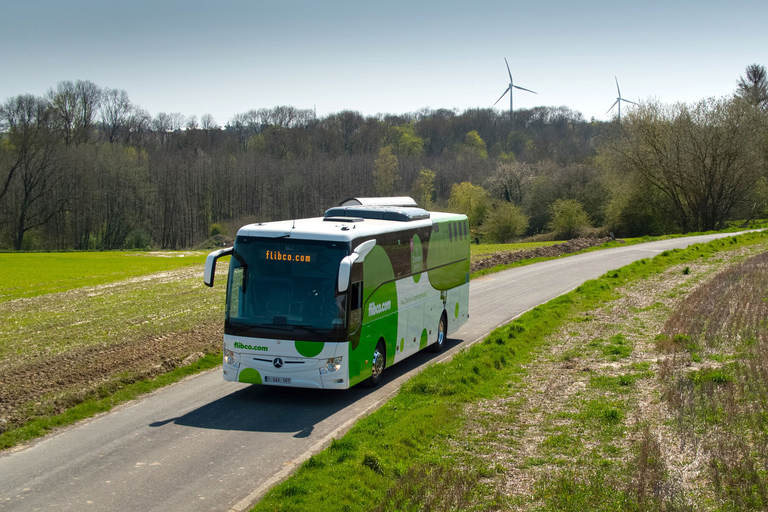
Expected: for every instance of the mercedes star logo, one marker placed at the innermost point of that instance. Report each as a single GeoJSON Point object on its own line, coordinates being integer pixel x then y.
{"type": "Point", "coordinates": [278, 362]}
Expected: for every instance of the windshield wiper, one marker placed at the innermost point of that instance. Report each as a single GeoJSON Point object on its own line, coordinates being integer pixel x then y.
{"type": "Point", "coordinates": [313, 330]}
{"type": "Point", "coordinates": [278, 327]}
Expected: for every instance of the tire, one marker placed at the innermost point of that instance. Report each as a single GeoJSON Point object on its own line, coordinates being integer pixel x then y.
{"type": "Point", "coordinates": [441, 329]}
{"type": "Point", "coordinates": [379, 363]}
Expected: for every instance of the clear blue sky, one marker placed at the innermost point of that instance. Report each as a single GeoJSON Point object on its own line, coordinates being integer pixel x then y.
{"type": "Point", "coordinates": [227, 57]}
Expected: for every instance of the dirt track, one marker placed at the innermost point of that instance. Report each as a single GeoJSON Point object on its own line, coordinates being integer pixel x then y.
{"type": "Point", "coordinates": [505, 258]}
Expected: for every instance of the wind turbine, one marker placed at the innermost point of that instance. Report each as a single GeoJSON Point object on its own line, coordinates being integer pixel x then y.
{"type": "Point", "coordinates": [509, 89]}
{"type": "Point", "coordinates": [619, 100]}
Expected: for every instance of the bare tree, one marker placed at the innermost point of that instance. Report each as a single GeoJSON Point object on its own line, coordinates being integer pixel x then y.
{"type": "Point", "coordinates": [192, 123]}
{"type": "Point", "coordinates": [139, 124]}
{"type": "Point", "coordinates": [207, 122]}
{"type": "Point", "coordinates": [165, 124]}
{"type": "Point", "coordinates": [239, 126]}
{"type": "Point", "coordinates": [704, 158]}
{"type": "Point", "coordinates": [116, 112]}
{"type": "Point", "coordinates": [64, 106]}
{"type": "Point", "coordinates": [41, 191]}
{"type": "Point", "coordinates": [510, 181]}
{"type": "Point", "coordinates": [74, 109]}
{"type": "Point", "coordinates": [25, 120]}
{"type": "Point", "coordinates": [88, 97]}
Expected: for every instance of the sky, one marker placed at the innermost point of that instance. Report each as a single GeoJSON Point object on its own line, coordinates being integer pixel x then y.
{"type": "Point", "coordinates": [230, 56]}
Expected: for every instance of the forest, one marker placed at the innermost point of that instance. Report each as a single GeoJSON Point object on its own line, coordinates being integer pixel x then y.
{"type": "Point", "coordinates": [84, 168]}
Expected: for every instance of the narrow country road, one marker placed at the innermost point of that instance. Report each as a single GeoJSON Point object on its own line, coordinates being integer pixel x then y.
{"type": "Point", "coordinates": [205, 444]}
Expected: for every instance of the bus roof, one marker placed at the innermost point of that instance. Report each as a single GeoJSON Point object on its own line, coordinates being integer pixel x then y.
{"type": "Point", "coordinates": [339, 228]}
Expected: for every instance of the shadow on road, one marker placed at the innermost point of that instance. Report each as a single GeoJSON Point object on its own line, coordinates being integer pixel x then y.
{"type": "Point", "coordinates": [276, 409]}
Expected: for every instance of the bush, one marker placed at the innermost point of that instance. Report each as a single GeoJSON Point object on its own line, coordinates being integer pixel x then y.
{"type": "Point", "coordinates": [217, 229]}
{"type": "Point", "coordinates": [505, 223]}
{"type": "Point", "coordinates": [138, 239]}
{"type": "Point", "coordinates": [568, 219]}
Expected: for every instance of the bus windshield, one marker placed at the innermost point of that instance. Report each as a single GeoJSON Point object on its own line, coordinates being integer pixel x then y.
{"type": "Point", "coordinates": [286, 289]}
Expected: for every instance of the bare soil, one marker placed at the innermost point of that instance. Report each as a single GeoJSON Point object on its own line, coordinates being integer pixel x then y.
{"type": "Point", "coordinates": [505, 258]}
{"type": "Point", "coordinates": [51, 379]}
{"type": "Point", "coordinates": [67, 379]}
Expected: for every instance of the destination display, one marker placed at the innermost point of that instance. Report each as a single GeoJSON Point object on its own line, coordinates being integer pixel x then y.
{"type": "Point", "coordinates": [298, 257]}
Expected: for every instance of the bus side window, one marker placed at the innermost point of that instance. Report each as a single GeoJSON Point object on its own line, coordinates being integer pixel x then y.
{"type": "Point", "coordinates": [235, 293]}
{"type": "Point", "coordinates": [356, 304]}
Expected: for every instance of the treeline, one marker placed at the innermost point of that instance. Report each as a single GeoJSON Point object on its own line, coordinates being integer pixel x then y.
{"type": "Point", "coordinates": [85, 168]}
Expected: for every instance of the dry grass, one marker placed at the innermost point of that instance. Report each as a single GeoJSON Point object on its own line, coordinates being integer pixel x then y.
{"type": "Point", "coordinates": [720, 409]}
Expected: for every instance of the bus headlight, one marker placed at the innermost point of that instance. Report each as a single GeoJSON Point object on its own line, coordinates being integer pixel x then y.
{"type": "Point", "coordinates": [229, 358]}
{"type": "Point", "coordinates": [333, 365]}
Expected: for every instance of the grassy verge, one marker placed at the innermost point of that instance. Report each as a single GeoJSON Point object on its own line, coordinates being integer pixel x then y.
{"type": "Point", "coordinates": [444, 442]}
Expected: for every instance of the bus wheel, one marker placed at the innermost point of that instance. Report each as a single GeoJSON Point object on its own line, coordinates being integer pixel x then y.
{"type": "Point", "coordinates": [440, 343]}
{"type": "Point", "coordinates": [379, 361]}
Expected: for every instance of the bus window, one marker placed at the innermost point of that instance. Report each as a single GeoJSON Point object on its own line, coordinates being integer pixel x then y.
{"type": "Point", "coordinates": [356, 304]}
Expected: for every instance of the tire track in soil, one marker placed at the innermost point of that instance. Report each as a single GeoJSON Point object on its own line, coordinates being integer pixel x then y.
{"type": "Point", "coordinates": [67, 378]}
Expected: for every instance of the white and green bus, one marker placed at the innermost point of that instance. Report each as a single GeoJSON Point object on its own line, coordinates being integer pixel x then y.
{"type": "Point", "coordinates": [330, 302]}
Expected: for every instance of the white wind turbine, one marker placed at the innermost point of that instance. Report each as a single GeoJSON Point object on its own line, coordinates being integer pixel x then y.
{"type": "Point", "coordinates": [619, 100]}
{"type": "Point", "coordinates": [509, 89]}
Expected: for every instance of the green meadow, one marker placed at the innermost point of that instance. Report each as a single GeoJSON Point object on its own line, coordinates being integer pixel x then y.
{"type": "Point", "coordinates": [31, 274]}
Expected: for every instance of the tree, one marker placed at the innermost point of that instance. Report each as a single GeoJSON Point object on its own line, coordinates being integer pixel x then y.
{"type": "Point", "coordinates": [124, 185]}
{"type": "Point", "coordinates": [385, 173]}
{"type": "Point", "coordinates": [475, 145]}
{"type": "Point", "coordinates": [41, 191]}
{"type": "Point", "coordinates": [568, 219]}
{"type": "Point", "coordinates": [405, 141]}
{"type": "Point", "coordinates": [704, 158]}
{"type": "Point", "coordinates": [471, 200]}
{"type": "Point", "coordinates": [754, 87]}
{"type": "Point", "coordinates": [504, 223]}
{"type": "Point", "coordinates": [116, 110]}
{"type": "Point", "coordinates": [425, 188]}
{"type": "Point", "coordinates": [511, 181]}
{"type": "Point", "coordinates": [208, 122]}
{"type": "Point", "coordinates": [74, 106]}
{"type": "Point", "coordinates": [25, 122]}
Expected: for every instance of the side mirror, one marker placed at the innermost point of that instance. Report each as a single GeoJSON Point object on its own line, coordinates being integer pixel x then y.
{"type": "Point", "coordinates": [345, 267]}
{"type": "Point", "coordinates": [210, 264]}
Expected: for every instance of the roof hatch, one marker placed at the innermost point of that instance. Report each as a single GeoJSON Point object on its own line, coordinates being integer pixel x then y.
{"type": "Point", "coordinates": [379, 201]}
{"type": "Point", "coordinates": [396, 213]}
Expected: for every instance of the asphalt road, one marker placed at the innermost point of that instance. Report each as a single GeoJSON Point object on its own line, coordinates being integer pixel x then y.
{"type": "Point", "coordinates": [206, 444]}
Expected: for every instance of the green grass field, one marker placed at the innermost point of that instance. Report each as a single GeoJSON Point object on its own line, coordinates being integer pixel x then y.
{"type": "Point", "coordinates": [80, 328]}
{"type": "Point", "coordinates": [31, 274]}
{"type": "Point", "coordinates": [488, 249]}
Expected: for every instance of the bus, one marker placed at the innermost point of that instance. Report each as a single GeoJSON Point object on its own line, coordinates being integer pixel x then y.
{"type": "Point", "coordinates": [330, 302]}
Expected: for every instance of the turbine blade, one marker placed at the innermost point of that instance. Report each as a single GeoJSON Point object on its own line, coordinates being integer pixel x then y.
{"type": "Point", "coordinates": [505, 92]}
{"type": "Point", "coordinates": [524, 89]}
{"type": "Point", "coordinates": [617, 86]}
{"type": "Point", "coordinates": [508, 71]}
{"type": "Point", "coordinates": [632, 102]}
{"type": "Point", "coordinates": [614, 104]}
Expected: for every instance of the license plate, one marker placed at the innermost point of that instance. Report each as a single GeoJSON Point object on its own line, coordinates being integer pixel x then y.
{"type": "Point", "coordinates": [278, 380]}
